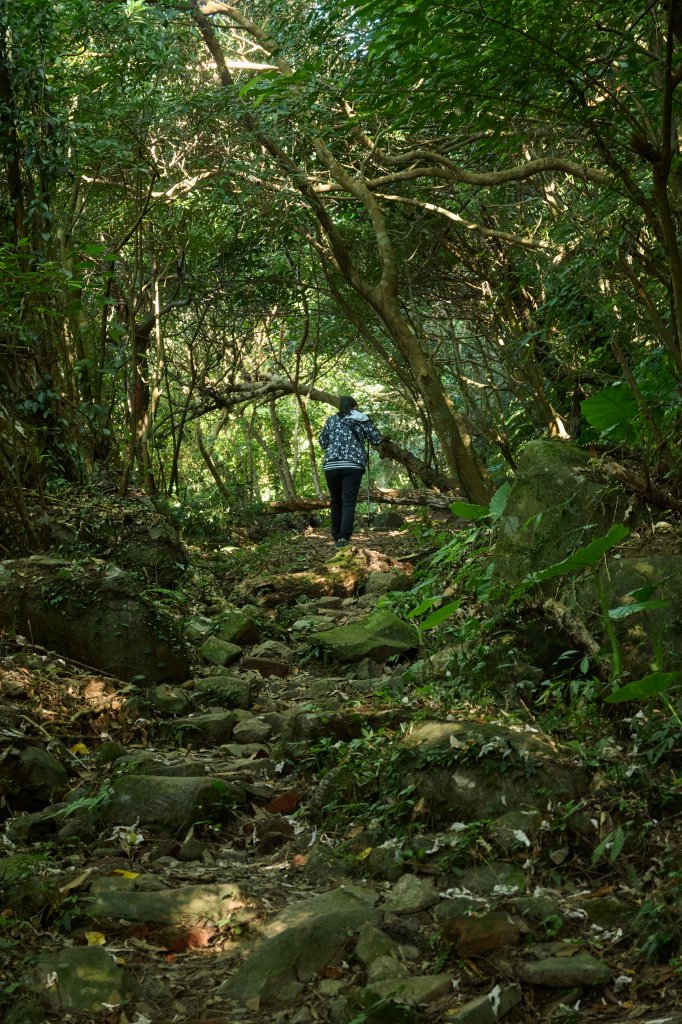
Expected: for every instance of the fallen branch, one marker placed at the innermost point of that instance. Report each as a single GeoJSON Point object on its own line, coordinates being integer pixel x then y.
{"type": "Point", "coordinates": [239, 394]}
{"type": "Point", "coordinates": [428, 499]}
{"type": "Point", "coordinates": [658, 495]}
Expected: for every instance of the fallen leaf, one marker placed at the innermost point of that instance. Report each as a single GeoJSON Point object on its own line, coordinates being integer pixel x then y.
{"type": "Point", "coordinates": [285, 803]}
{"type": "Point", "coordinates": [95, 938]}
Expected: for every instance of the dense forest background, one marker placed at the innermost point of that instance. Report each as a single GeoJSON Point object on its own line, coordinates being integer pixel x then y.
{"type": "Point", "coordinates": [215, 217]}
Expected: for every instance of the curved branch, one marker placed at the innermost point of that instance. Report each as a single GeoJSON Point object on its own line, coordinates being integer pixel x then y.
{"type": "Point", "coordinates": [505, 236]}
{"type": "Point", "coordinates": [447, 171]}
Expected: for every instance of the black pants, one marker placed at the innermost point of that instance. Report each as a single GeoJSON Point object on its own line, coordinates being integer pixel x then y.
{"type": "Point", "coordinates": [344, 485]}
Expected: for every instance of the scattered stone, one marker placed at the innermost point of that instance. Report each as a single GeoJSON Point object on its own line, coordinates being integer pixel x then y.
{"type": "Point", "coordinates": [155, 766]}
{"type": "Point", "coordinates": [300, 941]}
{"type": "Point", "coordinates": [225, 691]}
{"type": "Point", "coordinates": [109, 751]}
{"type": "Point", "coordinates": [388, 520]}
{"type": "Point", "coordinates": [101, 618]}
{"type": "Point", "coordinates": [565, 971]}
{"type": "Point", "coordinates": [311, 622]}
{"type": "Point", "coordinates": [516, 829]}
{"type": "Point", "coordinates": [322, 867]}
{"type": "Point", "coordinates": [239, 627]}
{"type": "Point", "coordinates": [418, 990]}
{"type": "Point", "coordinates": [410, 895]}
{"type": "Point", "coordinates": [251, 730]}
{"type": "Point", "coordinates": [499, 878]}
{"type": "Point", "coordinates": [539, 910]}
{"type": "Point", "coordinates": [535, 530]}
{"type": "Point", "coordinates": [206, 730]}
{"type": "Point", "coordinates": [284, 803]}
{"type": "Point", "coordinates": [383, 968]}
{"type": "Point", "coordinates": [607, 912]}
{"type": "Point", "coordinates": [373, 944]}
{"type": "Point", "coordinates": [23, 1012]}
{"type": "Point", "coordinates": [168, 700]}
{"type": "Point", "coordinates": [273, 649]}
{"type": "Point", "coordinates": [219, 652]}
{"type": "Point", "coordinates": [184, 905]}
{"type": "Point", "coordinates": [81, 979]}
{"type": "Point", "coordinates": [29, 828]}
{"type": "Point", "coordinates": [273, 832]}
{"type": "Point", "coordinates": [266, 667]}
{"type": "Point", "coordinates": [379, 635]}
{"type": "Point", "coordinates": [198, 627]}
{"type": "Point", "coordinates": [246, 751]}
{"type": "Point", "coordinates": [482, 934]}
{"type": "Point", "coordinates": [386, 582]}
{"type": "Point", "coordinates": [15, 866]}
{"type": "Point", "coordinates": [168, 803]}
{"type": "Point", "coordinates": [192, 849]}
{"type": "Point", "coordinates": [39, 778]}
{"type": "Point", "coordinates": [490, 1008]}
{"type": "Point", "coordinates": [459, 906]}
{"type": "Point", "coordinates": [385, 862]}
{"type": "Point", "coordinates": [469, 790]}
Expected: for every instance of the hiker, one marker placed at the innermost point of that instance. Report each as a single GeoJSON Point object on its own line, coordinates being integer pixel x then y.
{"type": "Point", "coordinates": [343, 438]}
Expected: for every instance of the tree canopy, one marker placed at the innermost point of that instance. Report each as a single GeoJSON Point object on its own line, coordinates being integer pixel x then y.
{"type": "Point", "coordinates": [215, 218]}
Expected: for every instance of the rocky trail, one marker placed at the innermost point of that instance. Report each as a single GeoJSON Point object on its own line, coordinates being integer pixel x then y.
{"type": "Point", "coordinates": [302, 832]}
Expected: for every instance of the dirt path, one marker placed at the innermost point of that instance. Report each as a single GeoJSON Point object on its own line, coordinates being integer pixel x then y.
{"type": "Point", "coordinates": [270, 844]}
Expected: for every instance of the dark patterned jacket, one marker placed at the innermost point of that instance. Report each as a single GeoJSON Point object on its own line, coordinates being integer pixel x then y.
{"type": "Point", "coordinates": [343, 439]}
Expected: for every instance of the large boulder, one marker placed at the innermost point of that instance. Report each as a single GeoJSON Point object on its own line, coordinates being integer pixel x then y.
{"type": "Point", "coordinates": [92, 612]}
{"type": "Point", "coordinates": [81, 980]}
{"type": "Point", "coordinates": [558, 504]}
{"type": "Point", "coordinates": [555, 505]}
{"type": "Point", "coordinates": [641, 634]}
{"type": "Point", "coordinates": [301, 941]}
{"type": "Point", "coordinates": [465, 781]}
{"type": "Point", "coordinates": [131, 532]}
{"type": "Point", "coordinates": [170, 803]}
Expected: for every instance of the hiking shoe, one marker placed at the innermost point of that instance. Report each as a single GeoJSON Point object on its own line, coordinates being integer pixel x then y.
{"type": "Point", "coordinates": [342, 543]}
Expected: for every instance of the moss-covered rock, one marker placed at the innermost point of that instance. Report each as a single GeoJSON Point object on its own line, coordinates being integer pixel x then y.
{"type": "Point", "coordinates": [82, 980]}
{"type": "Point", "coordinates": [92, 612]}
{"type": "Point", "coordinates": [555, 506]}
{"type": "Point", "coordinates": [379, 636]}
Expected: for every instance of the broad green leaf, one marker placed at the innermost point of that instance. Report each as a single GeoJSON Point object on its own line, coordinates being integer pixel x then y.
{"type": "Point", "coordinates": [657, 682]}
{"type": "Point", "coordinates": [616, 845]}
{"type": "Point", "coordinates": [484, 587]}
{"type": "Point", "coordinates": [611, 410]}
{"type": "Point", "coordinates": [643, 593]}
{"type": "Point", "coordinates": [465, 510]}
{"type": "Point", "coordinates": [625, 610]}
{"type": "Point", "coordinates": [498, 501]}
{"type": "Point", "coordinates": [586, 557]}
{"type": "Point", "coordinates": [441, 614]}
{"type": "Point", "coordinates": [422, 607]}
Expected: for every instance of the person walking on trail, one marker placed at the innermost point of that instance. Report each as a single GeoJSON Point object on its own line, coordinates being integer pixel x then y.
{"type": "Point", "coordinates": [344, 438]}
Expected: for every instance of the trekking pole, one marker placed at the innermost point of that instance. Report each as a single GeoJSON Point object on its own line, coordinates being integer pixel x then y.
{"type": "Point", "coordinates": [369, 489]}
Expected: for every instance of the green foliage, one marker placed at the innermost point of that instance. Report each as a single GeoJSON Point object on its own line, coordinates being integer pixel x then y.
{"type": "Point", "coordinates": [611, 411]}
{"type": "Point", "coordinates": [640, 689]}
{"type": "Point", "coordinates": [612, 844]}
{"type": "Point", "coordinates": [587, 557]}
